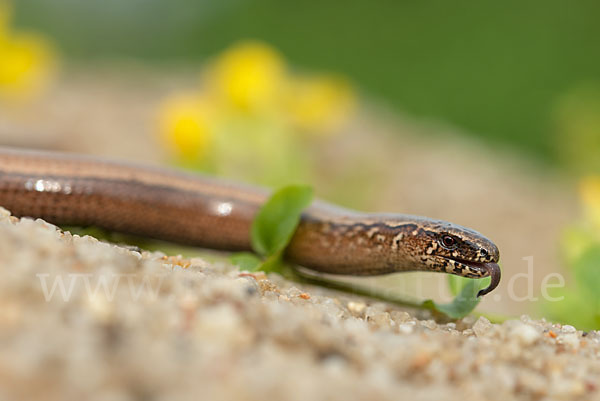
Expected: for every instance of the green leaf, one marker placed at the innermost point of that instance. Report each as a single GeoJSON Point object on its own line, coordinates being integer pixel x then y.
{"type": "Point", "coordinates": [246, 261]}
{"type": "Point", "coordinates": [463, 303]}
{"type": "Point", "coordinates": [277, 220]}
{"type": "Point", "coordinates": [273, 264]}
{"type": "Point", "coordinates": [456, 283]}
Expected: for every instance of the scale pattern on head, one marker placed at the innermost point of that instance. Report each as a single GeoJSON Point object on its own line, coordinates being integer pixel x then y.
{"type": "Point", "coordinates": [442, 246]}
{"type": "Point", "coordinates": [372, 244]}
{"type": "Point", "coordinates": [433, 245]}
{"type": "Point", "coordinates": [460, 243]}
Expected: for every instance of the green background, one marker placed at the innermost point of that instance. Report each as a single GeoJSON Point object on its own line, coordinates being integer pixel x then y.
{"type": "Point", "coordinates": [495, 69]}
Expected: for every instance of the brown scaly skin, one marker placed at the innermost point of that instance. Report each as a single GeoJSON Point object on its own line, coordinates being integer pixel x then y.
{"type": "Point", "coordinates": [195, 210]}
{"type": "Point", "coordinates": [374, 244]}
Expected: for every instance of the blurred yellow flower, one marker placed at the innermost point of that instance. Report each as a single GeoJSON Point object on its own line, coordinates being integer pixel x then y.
{"type": "Point", "coordinates": [248, 118]}
{"type": "Point", "coordinates": [589, 190]}
{"type": "Point", "coordinates": [186, 125]}
{"type": "Point", "coordinates": [249, 76]}
{"type": "Point", "coordinates": [27, 61]}
{"type": "Point", "coordinates": [320, 104]}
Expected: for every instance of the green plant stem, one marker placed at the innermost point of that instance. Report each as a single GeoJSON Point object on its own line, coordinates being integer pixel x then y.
{"type": "Point", "coordinates": [298, 276]}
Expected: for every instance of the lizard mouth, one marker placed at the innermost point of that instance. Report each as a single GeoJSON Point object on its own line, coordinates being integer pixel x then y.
{"type": "Point", "coordinates": [492, 270]}
{"type": "Point", "coordinates": [481, 269]}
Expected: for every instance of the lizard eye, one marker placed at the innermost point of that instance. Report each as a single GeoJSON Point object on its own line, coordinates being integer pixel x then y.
{"type": "Point", "coordinates": [448, 242]}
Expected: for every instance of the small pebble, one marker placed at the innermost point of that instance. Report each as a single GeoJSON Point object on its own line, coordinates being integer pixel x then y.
{"type": "Point", "coordinates": [406, 328]}
{"type": "Point", "coordinates": [571, 340]}
{"type": "Point", "coordinates": [482, 326]}
{"type": "Point", "coordinates": [525, 334]}
{"type": "Point", "coordinates": [357, 308]}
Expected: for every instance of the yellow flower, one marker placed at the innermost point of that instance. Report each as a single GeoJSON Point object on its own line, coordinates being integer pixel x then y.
{"type": "Point", "coordinates": [320, 104]}
{"type": "Point", "coordinates": [243, 121]}
{"type": "Point", "coordinates": [26, 61]}
{"type": "Point", "coordinates": [186, 125]}
{"type": "Point", "coordinates": [249, 76]}
{"type": "Point", "coordinates": [589, 190]}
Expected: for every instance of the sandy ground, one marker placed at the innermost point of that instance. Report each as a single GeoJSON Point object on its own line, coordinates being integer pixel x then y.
{"type": "Point", "coordinates": [412, 167]}
{"type": "Point", "coordinates": [82, 319]}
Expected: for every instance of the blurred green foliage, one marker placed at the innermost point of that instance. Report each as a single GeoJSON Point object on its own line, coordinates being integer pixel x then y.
{"type": "Point", "coordinates": [579, 302]}
{"type": "Point", "coordinates": [494, 68]}
{"type": "Point", "coordinates": [578, 129]}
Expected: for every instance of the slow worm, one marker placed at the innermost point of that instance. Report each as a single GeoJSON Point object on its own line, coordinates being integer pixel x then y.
{"type": "Point", "coordinates": [190, 209]}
